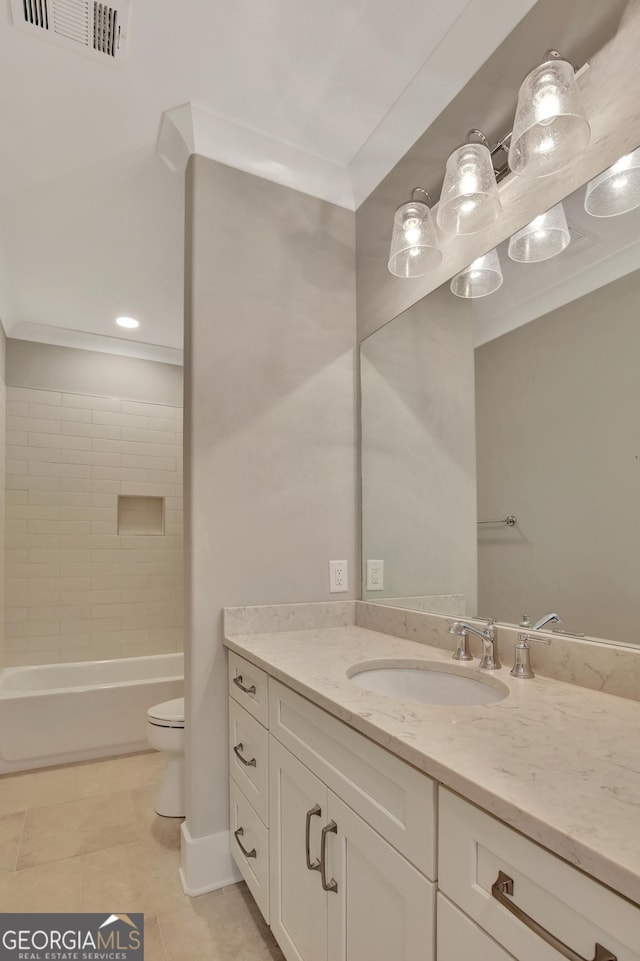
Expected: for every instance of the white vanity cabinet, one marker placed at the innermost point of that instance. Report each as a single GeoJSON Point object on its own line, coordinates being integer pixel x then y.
{"type": "Point", "coordinates": [339, 892]}
{"type": "Point", "coordinates": [337, 840]}
{"type": "Point", "coordinates": [346, 819]}
{"type": "Point", "coordinates": [249, 770]}
{"type": "Point", "coordinates": [520, 895]}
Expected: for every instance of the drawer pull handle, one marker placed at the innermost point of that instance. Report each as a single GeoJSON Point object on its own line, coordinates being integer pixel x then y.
{"type": "Point", "coordinates": [248, 854]}
{"type": "Point", "coordinates": [238, 683]}
{"type": "Point", "coordinates": [332, 885]}
{"type": "Point", "coordinates": [504, 886]}
{"type": "Point", "coordinates": [237, 750]}
{"type": "Point", "coordinates": [316, 811]}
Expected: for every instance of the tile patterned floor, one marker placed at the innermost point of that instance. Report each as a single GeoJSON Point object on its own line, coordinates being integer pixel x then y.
{"type": "Point", "coordinates": [85, 837]}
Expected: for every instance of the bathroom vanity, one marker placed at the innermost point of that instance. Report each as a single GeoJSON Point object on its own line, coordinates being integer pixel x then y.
{"type": "Point", "coordinates": [364, 824]}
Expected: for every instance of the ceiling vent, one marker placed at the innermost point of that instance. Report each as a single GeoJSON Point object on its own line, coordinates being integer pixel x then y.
{"type": "Point", "coordinates": [99, 30]}
{"type": "Point", "coordinates": [576, 236]}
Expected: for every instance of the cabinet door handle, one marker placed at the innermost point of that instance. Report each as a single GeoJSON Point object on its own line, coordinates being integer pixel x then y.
{"type": "Point", "coordinates": [238, 683]}
{"type": "Point", "coordinates": [332, 885]}
{"type": "Point", "coordinates": [504, 886]}
{"type": "Point", "coordinates": [316, 811]}
{"type": "Point", "coordinates": [248, 854]}
{"type": "Point", "coordinates": [237, 750]}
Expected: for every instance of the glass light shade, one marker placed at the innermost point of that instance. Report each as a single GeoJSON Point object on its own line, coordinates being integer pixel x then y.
{"type": "Point", "coordinates": [480, 278]}
{"type": "Point", "coordinates": [414, 242]}
{"type": "Point", "coordinates": [550, 127]}
{"type": "Point", "coordinates": [546, 236]}
{"type": "Point", "coordinates": [469, 200]}
{"type": "Point", "coordinates": [616, 190]}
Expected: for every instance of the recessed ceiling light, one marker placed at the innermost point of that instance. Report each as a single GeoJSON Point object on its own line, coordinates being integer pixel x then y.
{"type": "Point", "coordinates": [127, 322]}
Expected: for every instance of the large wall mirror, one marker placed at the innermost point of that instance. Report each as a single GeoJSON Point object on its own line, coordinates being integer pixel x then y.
{"type": "Point", "coordinates": [501, 437]}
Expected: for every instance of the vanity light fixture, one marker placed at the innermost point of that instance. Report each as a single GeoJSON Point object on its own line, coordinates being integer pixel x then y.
{"type": "Point", "coordinates": [545, 237]}
{"type": "Point", "coordinates": [414, 242]}
{"type": "Point", "coordinates": [550, 127]}
{"type": "Point", "coordinates": [469, 200]}
{"type": "Point", "coordinates": [480, 278]}
{"type": "Point", "coordinates": [617, 190]}
{"type": "Point", "coordinates": [127, 322]}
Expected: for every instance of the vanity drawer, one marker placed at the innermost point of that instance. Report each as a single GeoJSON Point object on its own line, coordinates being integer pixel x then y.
{"type": "Point", "coordinates": [579, 911]}
{"type": "Point", "coordinates": [393, 797]}
{"type": "Point", "coordinates": [248, 833]}
{"type": "Point", "coordinates": [249, 686]}
{"type": "Point", "coordinates": [249, 758]}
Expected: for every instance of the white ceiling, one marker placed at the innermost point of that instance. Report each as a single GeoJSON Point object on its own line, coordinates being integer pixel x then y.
{"type": "Point", "coordinates": [91, 220]}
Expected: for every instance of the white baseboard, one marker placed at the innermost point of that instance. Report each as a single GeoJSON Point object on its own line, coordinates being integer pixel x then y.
{"type": "Point", "coordinates": [206, 863]}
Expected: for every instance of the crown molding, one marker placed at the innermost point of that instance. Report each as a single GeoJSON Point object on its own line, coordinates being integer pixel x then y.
{"type": "Point", "coordinates": [84, 340]}
{"type": "Point", "coordinates": [192, 129]}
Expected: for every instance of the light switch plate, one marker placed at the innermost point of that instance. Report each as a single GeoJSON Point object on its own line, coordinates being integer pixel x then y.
{"type": "Point", "coordinates": [338, 577]}
{"type": "Point", "coordinates": [375, 575]}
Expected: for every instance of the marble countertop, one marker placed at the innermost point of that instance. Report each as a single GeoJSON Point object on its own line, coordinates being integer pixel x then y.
{"type": "Point", "coordinates": [556, 761]}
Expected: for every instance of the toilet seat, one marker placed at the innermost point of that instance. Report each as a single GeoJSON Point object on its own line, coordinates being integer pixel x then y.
{"type": "Point", "coordinates": [167, 714]}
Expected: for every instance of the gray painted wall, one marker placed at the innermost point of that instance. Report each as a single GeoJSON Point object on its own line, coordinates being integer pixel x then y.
{"type": "Point", "coordinates": [418, 452]}
{"type": "Point", "coordinates": [559, 446]}
{"type": "Point", "coordinates": [46, 367]}
{"type": "Point", "coordinates": [270, 481]}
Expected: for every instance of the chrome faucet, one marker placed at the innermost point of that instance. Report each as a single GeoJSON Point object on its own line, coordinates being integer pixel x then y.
{"type": "Point", "coordinates": [489, 660]}
{"type": "Point", "coordinates": [544, 620]}
{"type": "Point", "coordinates": [522, 655]}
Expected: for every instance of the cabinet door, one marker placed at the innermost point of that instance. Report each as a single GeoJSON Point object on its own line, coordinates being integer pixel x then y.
{"type": "Point", "coordinates": [459, 937]}
{"type": "Point", "coordinates": [298, 903]}
{"type": "Point", "coordinates": [383, 908]}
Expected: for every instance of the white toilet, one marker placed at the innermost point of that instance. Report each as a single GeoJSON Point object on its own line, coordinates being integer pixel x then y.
{"type": "Point", "coordinates": [165, 732]}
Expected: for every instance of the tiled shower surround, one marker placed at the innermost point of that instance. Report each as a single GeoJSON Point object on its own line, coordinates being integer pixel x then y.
{"type": "Point", "coordinates": [75, 588]}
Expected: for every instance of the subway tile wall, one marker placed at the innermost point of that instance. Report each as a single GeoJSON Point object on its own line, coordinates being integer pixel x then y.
{"type": "Point", "coordinates": [75, 589]}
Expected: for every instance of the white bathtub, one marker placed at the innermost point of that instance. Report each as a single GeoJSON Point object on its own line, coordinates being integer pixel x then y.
{"type": "Point", "coordinates": [57, 713]}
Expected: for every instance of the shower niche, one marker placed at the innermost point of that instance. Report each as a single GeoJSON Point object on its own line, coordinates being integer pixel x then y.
{"type": "Point", "coordinates": [140, 515]}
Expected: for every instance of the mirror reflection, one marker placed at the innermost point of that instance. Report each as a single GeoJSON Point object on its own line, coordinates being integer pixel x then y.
{"type": "Point", "coordinates": [500, 437]}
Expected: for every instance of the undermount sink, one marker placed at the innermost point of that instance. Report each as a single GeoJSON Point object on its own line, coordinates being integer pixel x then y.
{"type": "Point", "coordinates": [426, 683]}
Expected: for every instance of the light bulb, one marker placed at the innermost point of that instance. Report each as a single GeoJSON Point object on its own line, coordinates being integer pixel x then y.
{"type": "Point", "coordinates": [547, 104]}
{"type": "Point", "coordinates": [550, 128]}
{"type": "Point", "coordinates": [480, 278]}
{"type": "Point", "coordinates": [127, 322]}
{"type": "Point", "coordinates": [469, 200]}
{"type": "Point", "coordinates": [546, 236]}
{"type": "Point", "coordinates": [412, 231]}
{"type": "Point", "coordinates": [619, 183]}
{"type": "Point", "coordinates": [414, 245]}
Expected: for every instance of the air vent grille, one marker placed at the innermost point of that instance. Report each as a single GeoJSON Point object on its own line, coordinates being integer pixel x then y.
{"type": "Point", "coordinates": [105, 29]}
{"type": "Point", "coordinates": [71, 20]}
{"type": "Point", "coordinates": [98, 30]}
{"type": "Point", "coordinates": [36, 12]}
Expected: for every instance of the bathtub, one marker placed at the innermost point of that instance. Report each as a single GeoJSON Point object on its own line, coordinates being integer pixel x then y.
{"type": "Point", "coordinates": [57, 713]}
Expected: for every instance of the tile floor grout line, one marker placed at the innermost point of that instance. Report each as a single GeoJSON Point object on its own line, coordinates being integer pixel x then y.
{"type": "Point", "coordinates": [162, 940]}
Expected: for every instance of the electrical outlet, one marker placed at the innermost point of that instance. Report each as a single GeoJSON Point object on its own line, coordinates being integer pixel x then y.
{"type": "Point", "coordinates": [338, 577]}
{"type": "Point", "coordinates": [375, 575]}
